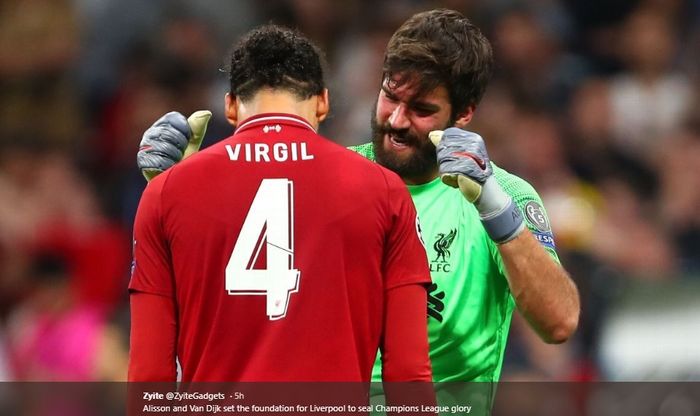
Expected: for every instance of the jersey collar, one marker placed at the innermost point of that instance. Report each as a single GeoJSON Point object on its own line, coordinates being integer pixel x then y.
{"type": "Point", "coordinates": [425, 187]}
{"type": "Point", "coordinates": [273, 121]}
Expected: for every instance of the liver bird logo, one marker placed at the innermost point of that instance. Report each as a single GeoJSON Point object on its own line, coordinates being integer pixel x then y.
{"type": "Point", "coordinates": [442, 245]}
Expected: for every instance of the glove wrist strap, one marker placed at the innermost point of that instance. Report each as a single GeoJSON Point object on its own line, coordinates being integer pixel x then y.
{"type": "Point", "coordinates": [502, 219]}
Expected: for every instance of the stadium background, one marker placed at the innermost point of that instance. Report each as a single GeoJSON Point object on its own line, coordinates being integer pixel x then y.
{"type": "Point", "coordinates": [594, 102]}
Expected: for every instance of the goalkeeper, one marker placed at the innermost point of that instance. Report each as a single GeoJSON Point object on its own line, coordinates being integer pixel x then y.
{"type": "Point", "coordinates": [490, 247]}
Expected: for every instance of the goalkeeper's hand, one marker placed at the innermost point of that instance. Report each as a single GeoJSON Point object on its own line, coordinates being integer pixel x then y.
{"type": "Point", "coordinates": [464, 164]}
{"type": "Point", "coordinates": [169, 140]}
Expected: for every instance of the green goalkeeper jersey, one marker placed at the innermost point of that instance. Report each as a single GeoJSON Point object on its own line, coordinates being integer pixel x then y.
{"type": "Point", "coordinates": [469, 302]}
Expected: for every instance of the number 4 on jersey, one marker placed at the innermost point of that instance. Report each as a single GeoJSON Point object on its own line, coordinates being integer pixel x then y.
{"type": "Point", "coordinates": [269, 225]}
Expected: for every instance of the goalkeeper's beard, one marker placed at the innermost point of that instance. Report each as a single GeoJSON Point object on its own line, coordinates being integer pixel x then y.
{"type": "Point", "coordinates": [418, 164]}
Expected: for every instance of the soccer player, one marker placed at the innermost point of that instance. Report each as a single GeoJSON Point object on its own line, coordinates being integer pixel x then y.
{"type": "Point", "coordinates": [490, 248]}
{"type": "Point", "coordinates": [489, 242]}
{"type": "Point", "coordinates": [275, 254]}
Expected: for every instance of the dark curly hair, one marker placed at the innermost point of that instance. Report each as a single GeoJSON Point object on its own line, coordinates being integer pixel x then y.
{"type": "Point", "coordinates": [441, 47]}
{"type": "Point", "coordinates": [279, 58]}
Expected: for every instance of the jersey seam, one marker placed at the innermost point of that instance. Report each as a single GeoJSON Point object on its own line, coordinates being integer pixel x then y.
{"type": "Point", "coordinates": [161, 224]}
{"type": "Point", "coordinates": [146, 290]}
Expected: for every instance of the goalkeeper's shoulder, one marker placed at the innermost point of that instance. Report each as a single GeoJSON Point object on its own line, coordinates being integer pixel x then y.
{"type": "Point", "coordinates": [515, 186]}
{"type": "Point", "coordinates": [365, 149]}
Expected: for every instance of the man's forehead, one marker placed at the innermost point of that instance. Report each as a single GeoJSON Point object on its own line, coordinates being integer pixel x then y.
{"type": "Point", "coordinates": [409, 86]}
{"type": "Point", "coordinates": [402, 82]}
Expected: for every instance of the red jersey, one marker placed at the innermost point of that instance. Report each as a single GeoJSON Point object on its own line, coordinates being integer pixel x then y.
{"type": "Point", "coordinates": [278, 248]}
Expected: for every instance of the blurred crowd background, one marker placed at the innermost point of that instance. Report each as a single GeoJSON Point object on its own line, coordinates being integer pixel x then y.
{"type": "Point", "coordinates": [593, 102]}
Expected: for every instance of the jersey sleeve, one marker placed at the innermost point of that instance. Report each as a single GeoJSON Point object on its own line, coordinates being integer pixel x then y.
{"type": "Point", "coordinates": [530, 204]}
{"type": "Point", "coordinates": [405, 259]}
{"type": "Point", "coordinates": [151, 270]}
{"type": "Point", "coordinates": [153, 340]}
{"type": "Point", "coordinates": [405, 350]}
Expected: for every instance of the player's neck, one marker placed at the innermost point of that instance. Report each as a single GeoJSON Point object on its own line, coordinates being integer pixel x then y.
{"type": "Point", "coordinates": [268, 101]}
{"type": "Point", "coordinates": [421, 179]}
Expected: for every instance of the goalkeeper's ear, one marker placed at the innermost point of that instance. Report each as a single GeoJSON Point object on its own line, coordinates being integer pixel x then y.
{"type": "Point", "coordinates": [198, 125]}
{"type": "Point", "coordinates": [464, 117]}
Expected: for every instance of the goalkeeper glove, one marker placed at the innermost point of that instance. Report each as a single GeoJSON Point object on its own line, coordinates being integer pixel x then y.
{"type": "Point", "coordinates": [169, 140]}
{"type": "Point", "coordinates": [464, 164]}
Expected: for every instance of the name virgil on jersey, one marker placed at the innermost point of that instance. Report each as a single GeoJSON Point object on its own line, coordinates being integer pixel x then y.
{"type": "Point", "coordinates": [266, 152]}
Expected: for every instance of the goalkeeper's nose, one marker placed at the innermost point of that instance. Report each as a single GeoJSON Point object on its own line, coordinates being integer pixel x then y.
{"type": "Point", "coordinates": [399, 118]}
